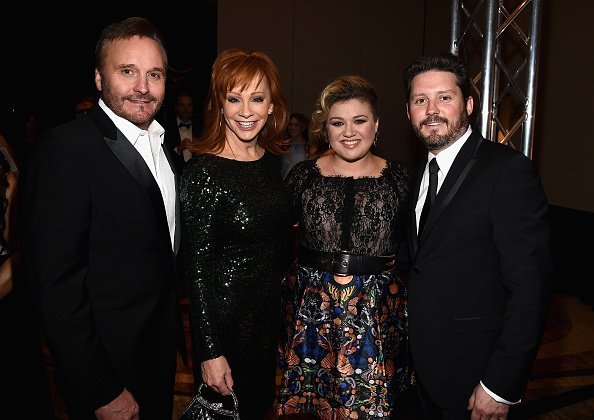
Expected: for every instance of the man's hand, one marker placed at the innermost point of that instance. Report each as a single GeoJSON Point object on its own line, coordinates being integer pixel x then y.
{"type": "Point", "coordinates": [216, 373]}
{"type": "Point", "coordinates": [483, 406]}
{"type": "Point", "coordinates": [185, 142]}
{"type": "Point", "coordinates": [124, 407]}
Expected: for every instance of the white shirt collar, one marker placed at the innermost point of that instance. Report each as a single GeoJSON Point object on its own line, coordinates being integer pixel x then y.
{"type": "Point", "coordinates": [131, 131]}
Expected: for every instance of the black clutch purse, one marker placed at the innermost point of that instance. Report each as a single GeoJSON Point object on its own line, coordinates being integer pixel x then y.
{"type": "Point", "coordinates": [201, 409]}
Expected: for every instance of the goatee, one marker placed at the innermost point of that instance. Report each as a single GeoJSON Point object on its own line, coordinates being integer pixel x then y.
{"type": "Point", "coordinates": [141, 117]}
{"type": "Point", "coordinates": [433, 141]}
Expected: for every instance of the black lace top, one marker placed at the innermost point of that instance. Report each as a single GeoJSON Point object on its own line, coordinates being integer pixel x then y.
{"type": "Point", "coordinates": [358, 215]}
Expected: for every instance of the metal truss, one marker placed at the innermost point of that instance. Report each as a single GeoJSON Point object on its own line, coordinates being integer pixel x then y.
{"type": "Point", "coordinates": [499, 42]}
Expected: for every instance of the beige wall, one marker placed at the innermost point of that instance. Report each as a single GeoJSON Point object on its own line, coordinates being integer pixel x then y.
{"type": "Point", "coordinates": [313, 42]}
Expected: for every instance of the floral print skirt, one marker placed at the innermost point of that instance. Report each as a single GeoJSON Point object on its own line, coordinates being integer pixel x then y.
{"type": "Point", "coordinates": [345, 350]}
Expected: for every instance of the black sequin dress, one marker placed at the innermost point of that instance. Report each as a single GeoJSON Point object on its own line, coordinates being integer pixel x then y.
{"type": "Point", "coordinates": [233, 216]}
{"type": "Point", "coordinates": [345, 350]}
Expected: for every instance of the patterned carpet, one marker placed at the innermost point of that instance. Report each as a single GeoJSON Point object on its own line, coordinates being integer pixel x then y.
{"type": "Point", "coordinates": [562, 387]}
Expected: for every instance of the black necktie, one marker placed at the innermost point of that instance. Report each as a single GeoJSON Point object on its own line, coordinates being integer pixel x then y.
{"type": "Point", "coordinates": [431, 193]}
{"type": "Point", "coordinates": [187, 125]}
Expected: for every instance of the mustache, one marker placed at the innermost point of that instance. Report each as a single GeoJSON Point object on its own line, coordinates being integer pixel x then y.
{"type": "Point", "coordinates": [434, 119]}
{"type": "Point", "coordinates": [140, 98]}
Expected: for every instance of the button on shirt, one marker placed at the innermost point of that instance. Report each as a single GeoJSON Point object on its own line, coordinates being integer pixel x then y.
{"type": "Point", "coordinates": [445, 158]}
{"type": "Point", "coordinates": [149, 144]}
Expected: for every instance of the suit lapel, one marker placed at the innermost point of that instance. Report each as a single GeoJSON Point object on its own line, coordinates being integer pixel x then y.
{"type": "Point", "coordinates": [131, 159]}
{"type": "Point", "coordinates": [462, 164]}
{"type": "Point", "coordinates": [136, 165]}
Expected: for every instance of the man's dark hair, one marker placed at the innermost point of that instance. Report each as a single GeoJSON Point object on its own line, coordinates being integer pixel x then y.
{"type": "Point", "coordinates": [441, 62]}
{"type": "Point", "coordinates": [126, 29]}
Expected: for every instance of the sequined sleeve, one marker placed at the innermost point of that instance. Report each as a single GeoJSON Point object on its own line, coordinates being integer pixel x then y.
{"type": "Point", "coordinates": [199, 197]}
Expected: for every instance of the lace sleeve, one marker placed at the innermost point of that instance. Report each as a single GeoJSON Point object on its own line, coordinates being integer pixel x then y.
{"type": "Point", "coordinates": [295, 183]}
{"type": "Point", "coordinates": [401, 178]}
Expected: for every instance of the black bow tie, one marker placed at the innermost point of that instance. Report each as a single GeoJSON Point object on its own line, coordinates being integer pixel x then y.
{"type": "Point", "coordinates": [187, 125]}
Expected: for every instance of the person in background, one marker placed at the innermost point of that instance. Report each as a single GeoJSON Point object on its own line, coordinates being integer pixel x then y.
{"type": "Point", "coordinates": [345, 350]}
{"type": "Point", "coordinates": [8, 184]}
{"type": "Point", "coordinates": [100, 232]}
{"type": "Point", "coordinates": [298, 145]}
{"type": "Point", "coordinates": [297, 150]}
{"type": "Point", "coordinates": [21, 363]}
{"type": "Point", "coordinates": [234, 213]}
{"type": "Point", "coordinates": [182, 130]}
{"type": "Point", "coordinates": [22, 136]}
{"type": "Point", "coordinates": [318, 149]}
{"type": "Point", "coordinates": [82, 107]}
{"type": "Point", "coordinates": [480, 285]}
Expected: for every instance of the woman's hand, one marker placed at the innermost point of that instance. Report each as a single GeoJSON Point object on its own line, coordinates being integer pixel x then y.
{"type": "Point", "coordinates": [216, 373]}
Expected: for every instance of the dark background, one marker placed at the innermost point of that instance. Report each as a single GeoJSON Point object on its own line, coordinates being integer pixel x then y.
{"type": "Point", "coordinates": [47, 59]}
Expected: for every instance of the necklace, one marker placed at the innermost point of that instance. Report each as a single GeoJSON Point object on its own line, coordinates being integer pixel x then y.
{"type": "Point", "coordinates": [230, 148]}
{"type": "Point", "coordinates": [332, 166]}
{"type": "Point", "coordinates": [233, 153]}
{"type": "Point", "coordinates": [366, 174]}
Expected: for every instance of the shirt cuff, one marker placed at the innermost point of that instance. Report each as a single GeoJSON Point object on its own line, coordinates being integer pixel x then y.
{"type": "Point", "coordinates": [497, 397]}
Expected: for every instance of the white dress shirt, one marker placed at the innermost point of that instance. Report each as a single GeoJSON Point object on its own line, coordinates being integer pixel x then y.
{"type": "Point", "coordinates": [149, 144]}
{"type": "Point", "coordinates": [444, 159]}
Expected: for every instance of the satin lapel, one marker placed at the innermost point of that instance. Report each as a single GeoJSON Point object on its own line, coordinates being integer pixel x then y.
{"type": "Point", "coordinates": [129, 156]}
{"type": "Point", "coordinates": [136, 165]}
{"type": "Point", "coordinates": [412, 222]}
{"type": "Point", "coordinates": [463, 162]}
{"type": "Point", "coordinates": [131, 159]}
{"type": "Point", "coordinates": [176, 176]}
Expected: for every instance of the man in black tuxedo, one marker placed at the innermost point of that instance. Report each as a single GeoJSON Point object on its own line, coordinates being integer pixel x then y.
{"type": "Point", "coordinates": [480, 282]}
{"type": "Point", "coordinates": [182, 129]}
{"type": "Point", "coordinates": [100, 237]}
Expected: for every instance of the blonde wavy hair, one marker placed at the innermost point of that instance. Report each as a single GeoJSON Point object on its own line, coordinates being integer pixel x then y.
{"type": "Point", "coordinates": [342, 89]}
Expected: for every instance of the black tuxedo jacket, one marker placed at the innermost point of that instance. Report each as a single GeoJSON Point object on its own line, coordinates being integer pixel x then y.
{"type": "Point", "coordinates": [98, 252]}
{"type": "Point", "coordinates": [479, 285]}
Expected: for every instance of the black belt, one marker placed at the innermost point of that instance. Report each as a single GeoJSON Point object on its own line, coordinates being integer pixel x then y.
{"type": "Point", "coordinates": [345, 263]}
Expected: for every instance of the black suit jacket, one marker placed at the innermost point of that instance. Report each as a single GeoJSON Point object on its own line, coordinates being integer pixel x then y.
{"type": "Point", "coordinates": [98, 252]}
{"type": "Point", "coordinates": [479, 286]}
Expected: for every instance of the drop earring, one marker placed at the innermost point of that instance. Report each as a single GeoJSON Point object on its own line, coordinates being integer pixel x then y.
{"type": "Point", "coordinates": [375, 138]}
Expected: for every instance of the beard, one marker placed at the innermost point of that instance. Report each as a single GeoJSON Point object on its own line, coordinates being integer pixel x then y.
{"type": "Point", "coordinates": [433, 141]}
{"type": "Point", "coordinates": [141, 117]}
